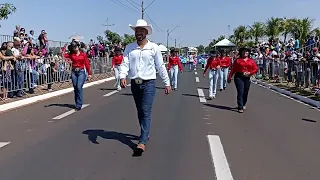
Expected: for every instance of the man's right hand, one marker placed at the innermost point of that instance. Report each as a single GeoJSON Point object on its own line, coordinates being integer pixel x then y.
{"type": "Point", "coordinates": [123, 83]}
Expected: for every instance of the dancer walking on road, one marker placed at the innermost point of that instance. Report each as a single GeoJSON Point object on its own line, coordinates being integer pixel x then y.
{"type": "Point", "coordinates": [213, 64]}
{"type": "Point", "coordinates": [225, 63]}
{"type": "Point", "coordinates": [174, 66]}
{"type": "Point", "coordinates": [80, 63]}
{"type": "Point", "coordinates": [242, 69]}
{"type": "Point", "coordinates": [116, 61]}
{"type": "Point", "coordinates": [142, 59]}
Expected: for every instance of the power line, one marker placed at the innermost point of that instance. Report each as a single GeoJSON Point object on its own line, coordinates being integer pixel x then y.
{"type": "Point", "coordinates": [154, 24]}
{"type": "Point", "coordinates": [134, 4]}
{"type": "Point", "coordinates": [123, 5]}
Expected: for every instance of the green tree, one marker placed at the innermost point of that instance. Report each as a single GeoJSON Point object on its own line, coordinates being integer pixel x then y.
{"type": "Point", "coordinates": [220, 38]}
{"type": "Point", "coordinates": [257, 31]}
{"type": "Point", "coordinates": [6, 9]}
{"type": "Point", "coordinates": [201, 49]}
{"type": "Point", "coordinates": [113, 38]}
{"type": "Point", "coordinates": [127, 39]}
{"type": "Point", "coordinates": [100, 39]}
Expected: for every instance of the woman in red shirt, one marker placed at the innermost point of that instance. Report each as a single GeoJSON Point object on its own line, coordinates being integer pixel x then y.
{"type": "Point", "coordinates": [225, 63]}
{"type": "Point", "coordinates": [173, 65]}
{"type": "Point", "coordinates": [213, 64]}
{"type": "Point", "coordinates": [116, 61]}
{"type": "Point", "coordinates": [242, 69]}
{"type": "Point", "coordinates": [80, 65]}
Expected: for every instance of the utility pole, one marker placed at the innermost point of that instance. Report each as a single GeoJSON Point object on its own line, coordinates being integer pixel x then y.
{"type": "Point", "coordinates": [143, 9]}
{"type": "Point", "coordinates": [175, 43]}
{"type": "Point", "coordinates": [108, 25]}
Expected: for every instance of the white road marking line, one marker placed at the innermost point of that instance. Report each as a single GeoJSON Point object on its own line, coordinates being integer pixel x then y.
{"type": "Point", "coordinates": [221, 166]}
{"type": "Point", "coordinates": [205, 118]}
{"type": "Point", "coordinates": [207, 115]}
{"type": "Point", "coordinates": [110, 93]}
{"type": "Point", "coordinates": [196, 73]}
{"type": "Point", "coordinates": [2, 144]}
{"type": "Point", "coordinates": [287, 96]}
{"type": "Point", "coordinates": [197, 79]}
{"type": "Point", "coordinates": [201, 95]}
{"type": "Point", "coordinates": [69, 112]}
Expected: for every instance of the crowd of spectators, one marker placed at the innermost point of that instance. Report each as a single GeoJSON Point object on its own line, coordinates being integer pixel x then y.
{"type": "Point", "coordinates": [26, 62]}
{"type": "Point", "coordinates": [291, 62]}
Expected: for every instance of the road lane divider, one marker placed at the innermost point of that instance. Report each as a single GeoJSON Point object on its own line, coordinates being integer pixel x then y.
{"type": "Point", "coordinates": [195, 72]}
{"type": "Point", "coordinates": [113, 92]}
{"type": "Point", "coordinates": [201, 96]}
{"type": "Point", "coordinates": [3, 144]}
{"type": "Point", "coordinates": [219, 159]}
{"type": "Point", "coordinates": [69, 112]}
{"type": "Point", "coordinates": [197, 79]}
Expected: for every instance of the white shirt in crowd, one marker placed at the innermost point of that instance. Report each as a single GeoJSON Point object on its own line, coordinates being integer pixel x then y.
{"type": "Point", "coordinates": [15, 51]}
{"type": "Point", "coordinates": [143, 63]}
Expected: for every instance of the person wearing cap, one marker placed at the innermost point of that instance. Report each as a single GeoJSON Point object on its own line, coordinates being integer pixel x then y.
{"type": "Point", "coordinates": [174, 66]}
{"type": "Point", "coordinates": [141, 60]}
{"type": "Point", "coordinates": [80, 66]}
{"type": "Point", "coordinates": [213, 64]}
{"type": "Point", "coordinates": [116, 62]}
{"type": "Point", "coordinates": [242, 69]}
{"type": "Point", "coordinates": [225, 63]}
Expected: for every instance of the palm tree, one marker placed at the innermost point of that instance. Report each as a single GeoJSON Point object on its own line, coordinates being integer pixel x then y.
{"type": "Point", "coordinates": [287, 26]}
{"type": "Point", "coordinates": [241, 34]}
{"type": "Point", "coordinates": [257, 30]}
{"type": "Point", "coordinates": [221, 38]}
{"type": "Point", "coordinates": [302, 28]}
{"type": "Point", "coordinates": [273, 28]}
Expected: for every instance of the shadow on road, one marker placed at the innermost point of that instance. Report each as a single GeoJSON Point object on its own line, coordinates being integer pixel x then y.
{"type": "Point", "coordinates": [160, 87]}
{"type": "Point", "coordinates": [203, 87]}
{"type": "Point", "coordinates": [108, 89]}
{"type": "Point", "coordinates": [309, 120]}
{"type": "Point", "coordinates": [125, 139]}
{"type": "Point", "coordinates": [222, 107]}
{"type": "Point", "coordinates": [71, 106]}
{"type": "Point", "coordinates": [126, 94]}
{"type": "Point", "coordinates": [192, 95]}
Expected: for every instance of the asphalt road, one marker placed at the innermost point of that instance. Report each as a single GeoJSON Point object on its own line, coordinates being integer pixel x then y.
{"type": "Point", "coordinates": [276, 138]}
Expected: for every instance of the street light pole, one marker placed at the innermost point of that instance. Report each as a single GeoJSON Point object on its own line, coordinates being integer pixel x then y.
{"type": "Point", "coordinates": [168, 34]}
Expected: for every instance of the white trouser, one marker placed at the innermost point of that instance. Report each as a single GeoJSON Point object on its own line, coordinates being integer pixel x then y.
{"type": "Point", "coordinates": [223, 76]}
{"type": "Point", "coordinates": [213, 78]}
{"type": "Point", "coordinates": [116, 74]}
{"type": "Point", "coordinates": [174, 76]}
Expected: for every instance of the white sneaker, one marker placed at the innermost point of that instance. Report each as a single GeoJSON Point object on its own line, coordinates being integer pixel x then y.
{"type": "Point", "coordinates": [119, 88]}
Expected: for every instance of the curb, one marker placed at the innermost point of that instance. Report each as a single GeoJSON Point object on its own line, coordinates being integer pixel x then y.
{"type": "Point", "coordinates": [31, 100]}
{"type": "Point", "coordinates": [304, 99]}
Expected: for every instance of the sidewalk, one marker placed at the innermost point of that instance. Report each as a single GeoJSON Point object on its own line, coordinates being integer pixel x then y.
{"type": "Point", "coordinates": [41, 93]}
{"type": "Point", "coordinates": [306, 96]}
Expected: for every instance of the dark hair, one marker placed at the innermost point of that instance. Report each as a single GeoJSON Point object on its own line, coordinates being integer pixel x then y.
{"type": "Point", "coordinates": [73, 45]}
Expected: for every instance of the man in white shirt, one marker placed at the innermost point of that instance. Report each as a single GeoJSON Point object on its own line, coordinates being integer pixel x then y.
{"type": "Point", "coordinates": [141, 60]}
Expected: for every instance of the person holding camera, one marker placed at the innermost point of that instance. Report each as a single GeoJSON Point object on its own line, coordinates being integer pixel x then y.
{"type": "Point", "coordinates": [80, 65]}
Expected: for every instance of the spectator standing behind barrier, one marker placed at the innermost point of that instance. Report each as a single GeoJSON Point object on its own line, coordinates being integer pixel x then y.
{"type": "Point", "coordinates": [80, 63]}
{"type": "Point", "coordinates": [243, 68]}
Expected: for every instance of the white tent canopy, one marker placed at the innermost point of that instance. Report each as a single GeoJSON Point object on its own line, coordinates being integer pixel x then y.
{"type": "Point", "coordinates": [224, 43]}
{"type": "Point", "coordinates": [162, 48]}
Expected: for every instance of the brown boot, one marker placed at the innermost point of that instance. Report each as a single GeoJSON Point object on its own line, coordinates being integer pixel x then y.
{"type": "Point", "coordinates": [142, 147]}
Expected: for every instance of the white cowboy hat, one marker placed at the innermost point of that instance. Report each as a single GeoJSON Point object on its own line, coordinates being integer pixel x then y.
{"type": "Point", "coordinates": [143, 24]}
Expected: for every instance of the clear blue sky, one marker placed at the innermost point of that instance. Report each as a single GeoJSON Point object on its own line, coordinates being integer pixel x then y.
{"type": "Point", "coordinates": [200, 19]}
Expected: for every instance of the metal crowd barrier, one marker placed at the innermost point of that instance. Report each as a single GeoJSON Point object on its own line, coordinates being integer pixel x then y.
{"type": "Point", "coordinates": [298, 71]}
{"type": "Point", "coordinates": [27, 76]}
